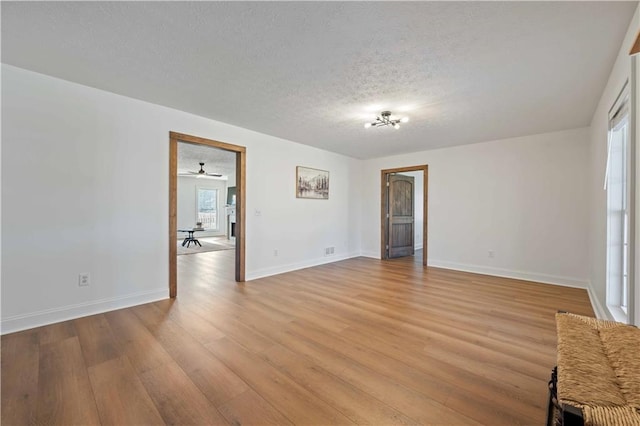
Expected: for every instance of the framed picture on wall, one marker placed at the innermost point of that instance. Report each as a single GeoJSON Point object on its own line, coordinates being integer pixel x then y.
{"type": "Point", "coordinates": [312, 183]}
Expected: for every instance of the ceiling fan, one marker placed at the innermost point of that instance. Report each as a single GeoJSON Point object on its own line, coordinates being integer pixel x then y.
{"type": "Point", "coordinates": [201, 172]}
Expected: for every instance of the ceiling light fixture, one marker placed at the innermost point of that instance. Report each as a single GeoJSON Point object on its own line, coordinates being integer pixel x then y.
{"type": "Point", "coordinates": [385, 120]}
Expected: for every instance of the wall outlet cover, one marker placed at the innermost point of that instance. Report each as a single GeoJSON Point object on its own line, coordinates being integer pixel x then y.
{"type": "Point", "coordinates": [84, 279]}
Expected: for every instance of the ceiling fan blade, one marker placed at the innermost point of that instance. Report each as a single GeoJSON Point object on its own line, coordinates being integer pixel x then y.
{"type": "Point", "coordinates": [200, 172]}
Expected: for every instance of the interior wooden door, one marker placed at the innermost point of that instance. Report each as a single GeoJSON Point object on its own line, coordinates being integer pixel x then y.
{"type": "Point", "coordinates": [401, 216]}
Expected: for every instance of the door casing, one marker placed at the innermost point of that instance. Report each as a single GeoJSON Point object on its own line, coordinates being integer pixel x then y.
{"type": "Point", "coordinates": [384, 227]}
{"type": "Point", "coordinates": [241, 184]}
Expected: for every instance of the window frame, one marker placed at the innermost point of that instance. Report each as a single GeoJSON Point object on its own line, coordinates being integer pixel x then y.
{"type": "Point", "coordinates": [217, 206]}
{"type": "Point", "coordinates": [620, 267]}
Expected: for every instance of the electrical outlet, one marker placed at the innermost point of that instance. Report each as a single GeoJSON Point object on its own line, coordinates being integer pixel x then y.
{"type": "Point", "coordinates": [491, 254]}
{"type": "Point", "coordinates": [275, 252]}
{"type": "Point", "coordinates": [84, 279]}
{"type": "Point", "coordinates": [258, 212]}
{"type": "Point", "coordinates": [329, 251]}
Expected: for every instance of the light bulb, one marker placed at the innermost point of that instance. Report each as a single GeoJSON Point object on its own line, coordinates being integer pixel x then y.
{"type": "Point", "coordinates": [367, 125]}
{"type": "Point", "coordinates": [396, 126]}
{"type": "Point", "coordinates": [404, 119]}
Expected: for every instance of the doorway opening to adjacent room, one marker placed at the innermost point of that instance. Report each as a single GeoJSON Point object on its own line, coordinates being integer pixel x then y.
{"type": "Point", "coordinates": [403, 207]}
{"type": "Point", "coordinates": [208, 202]}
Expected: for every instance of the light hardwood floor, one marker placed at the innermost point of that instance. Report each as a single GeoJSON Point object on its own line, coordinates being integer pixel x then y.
{"type": "Point", "coordinates": [357, 341]}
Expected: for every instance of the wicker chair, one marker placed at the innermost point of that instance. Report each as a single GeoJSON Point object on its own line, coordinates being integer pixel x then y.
{"type": "Point", "coordinates": [597, 380]}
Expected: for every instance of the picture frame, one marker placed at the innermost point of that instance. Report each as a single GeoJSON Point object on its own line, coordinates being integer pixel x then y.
{"type": "Point", "coordinates": [312, 183]}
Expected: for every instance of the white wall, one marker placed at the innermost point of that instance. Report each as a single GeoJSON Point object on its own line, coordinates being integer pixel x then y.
{"type": "Point", "coordinates": [598, 155]}
{"type": "Point", "coordinates": [300, 229]}
{"type": "Point", "coordinates": [231, 180]}
{"type": "Point", "coordinates": [187, 189]}
{"type": "Point", "coordinates": [69, 155]}
{"type": "Point", "coordinates": [525, 199]}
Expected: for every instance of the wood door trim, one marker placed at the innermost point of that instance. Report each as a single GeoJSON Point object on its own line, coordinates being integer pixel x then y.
{"type": "Point", "coordinates": [181, 137]}
{"type": "Point", "coordinates": [383, 206]}
{"type": "Point", "coordinates": [241, 165]}
{"type": "Point", "coordinates": [635, 49]}
{"type": "Point", "coordinates": [406, 169]}
{"type": "Point", "coordinates": [173, 216]}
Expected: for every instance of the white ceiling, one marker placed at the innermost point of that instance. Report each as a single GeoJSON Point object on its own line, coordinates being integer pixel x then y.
{"type": "Point", "coordinates": [314, 72]}
{"type": "Point", "coordinates": [215, 160]}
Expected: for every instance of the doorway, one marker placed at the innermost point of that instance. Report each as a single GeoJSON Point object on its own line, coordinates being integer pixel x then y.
{"type": "Point", "coordinates": [397, 212]}
{"type": "Point", "coordinates": [239, 228]}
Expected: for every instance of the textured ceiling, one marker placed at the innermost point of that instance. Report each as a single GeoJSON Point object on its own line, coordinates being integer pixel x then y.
{"type": "Point", "coordinates": [215, 160]}
{"type": "Point", "coordinates": [314, 72]}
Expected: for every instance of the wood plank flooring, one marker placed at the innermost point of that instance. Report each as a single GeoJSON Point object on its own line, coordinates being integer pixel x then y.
{"type": "Point", "coordinates": [354, 342]}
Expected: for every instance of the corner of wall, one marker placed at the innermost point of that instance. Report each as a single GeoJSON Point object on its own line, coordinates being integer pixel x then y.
{"type": "Point", "coordinates": [281, 269]}
{"type": "Point", "coordinates": [371, 254]}
{"type": "Point", "coordinates": [598, 309]}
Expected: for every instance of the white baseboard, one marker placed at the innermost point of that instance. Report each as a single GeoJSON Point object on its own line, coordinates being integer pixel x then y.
{"type": "Point", "coordinates": [598, 309]}
{"type": "Point", "coordinates": [281, 269]}
{"type": "Point", "coordinates": [65, 313]}
{"type": "Point", "coordinates": [508, 273]}
{"type": "Point", "coordinates": [371, 254]}
{"type": "Point", "coordinates": [498, 272]}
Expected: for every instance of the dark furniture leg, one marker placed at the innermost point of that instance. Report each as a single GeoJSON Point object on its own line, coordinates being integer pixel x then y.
{"type": "Point", "coordinates": [552, 404]}
{"type": "Point", "coordinates": [190, 239]}
{"type": "Point", "coordinates": [572, 416]}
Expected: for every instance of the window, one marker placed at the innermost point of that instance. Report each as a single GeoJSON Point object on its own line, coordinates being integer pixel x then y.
{"type": "Point", "coordinates": [207, 208]}
{"type": "Point", "coordinates": [618, 209]}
